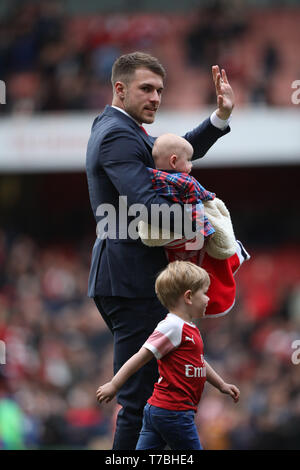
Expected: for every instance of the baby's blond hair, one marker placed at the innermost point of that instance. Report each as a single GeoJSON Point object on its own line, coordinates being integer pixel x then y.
{"type": "Point", "coordinates": [176, 279]}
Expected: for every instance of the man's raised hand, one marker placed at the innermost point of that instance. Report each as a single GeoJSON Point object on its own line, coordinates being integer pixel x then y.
{"type": "Point", "coordinates": [224, 92]}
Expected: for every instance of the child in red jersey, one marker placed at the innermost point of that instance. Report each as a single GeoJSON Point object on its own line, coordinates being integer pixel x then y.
{"type": "Point", "coordinates": [177, 345]}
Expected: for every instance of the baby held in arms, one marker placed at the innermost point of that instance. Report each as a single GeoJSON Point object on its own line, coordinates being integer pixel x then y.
{"type": "Point", "coordinates": [218, 252]}
{"type": "Point", "coordinates": [171, 177]}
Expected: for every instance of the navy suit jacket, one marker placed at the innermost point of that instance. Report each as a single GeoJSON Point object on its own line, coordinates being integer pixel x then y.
{"type": "Point", "coordinates": [118, 153]}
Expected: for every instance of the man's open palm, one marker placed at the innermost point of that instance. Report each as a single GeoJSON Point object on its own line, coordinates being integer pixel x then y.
{"type": "Point", "coordinates": [224, 92]}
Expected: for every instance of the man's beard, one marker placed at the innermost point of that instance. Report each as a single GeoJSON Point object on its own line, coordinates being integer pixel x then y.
{"type": "Point", "coordinates": [139, 117]}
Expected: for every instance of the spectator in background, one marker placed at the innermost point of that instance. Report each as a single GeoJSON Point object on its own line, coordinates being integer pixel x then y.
{"type": "Point", "coordinates": [12, 422]}
{"type": "Point", "coordinates": [261, 92]}
{"type": "Point", "coordinates": [218, 24]}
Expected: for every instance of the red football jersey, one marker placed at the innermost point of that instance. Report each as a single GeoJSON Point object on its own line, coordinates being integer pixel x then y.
{"type": "Point", "coordinates": [178, 348]}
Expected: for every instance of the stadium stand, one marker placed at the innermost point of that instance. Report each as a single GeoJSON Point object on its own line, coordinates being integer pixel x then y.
{"type": "Point", "coordinates": [54, 62]}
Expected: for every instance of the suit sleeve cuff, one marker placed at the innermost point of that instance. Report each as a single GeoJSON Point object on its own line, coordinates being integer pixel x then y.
{"type": "Point", "coordinates": [219, 123]}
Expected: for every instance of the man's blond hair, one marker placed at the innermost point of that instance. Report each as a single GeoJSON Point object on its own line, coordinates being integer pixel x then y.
{"type": "Point", "coordinates": [176, 279]}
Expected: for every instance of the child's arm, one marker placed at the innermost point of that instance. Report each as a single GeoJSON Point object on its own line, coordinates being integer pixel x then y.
{"type": "Point", "coordinates": [214, 379]}
{"type": "Point", "coordinates": [107, 391]}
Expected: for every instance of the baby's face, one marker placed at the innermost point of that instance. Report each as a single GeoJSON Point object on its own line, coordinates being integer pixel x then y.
{"type": "Point", "coordinates": [183, 164]}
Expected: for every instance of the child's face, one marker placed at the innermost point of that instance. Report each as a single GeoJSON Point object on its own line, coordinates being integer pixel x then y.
{"type": "Point", "coordinates": [199, 302]}
{"type": "Point", "coordinates": [183, 163]}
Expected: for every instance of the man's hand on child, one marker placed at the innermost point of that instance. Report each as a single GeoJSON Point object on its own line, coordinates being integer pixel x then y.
{"type": "Point", "coordinates": [106, 392]}
{"type": "Point", "coordinates": [231, 390]}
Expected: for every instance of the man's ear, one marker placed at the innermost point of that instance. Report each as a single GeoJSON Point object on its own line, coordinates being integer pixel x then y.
{"type": "Point", "coordinates": [188, 296]}
{"type": "Point", "coordinates": [120, 89]}
{"type": "Point", "coordinates": [173, 160]}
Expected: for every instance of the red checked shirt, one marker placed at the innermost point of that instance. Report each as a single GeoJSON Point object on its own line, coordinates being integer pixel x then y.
{"type": "Point", "coordinates": [178, 348]}
{"type": "Point", "coordinates": [182, 187]}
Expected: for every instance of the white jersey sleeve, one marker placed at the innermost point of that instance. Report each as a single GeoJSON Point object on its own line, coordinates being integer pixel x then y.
{"type": "Point", "coordinates": [166, 337]}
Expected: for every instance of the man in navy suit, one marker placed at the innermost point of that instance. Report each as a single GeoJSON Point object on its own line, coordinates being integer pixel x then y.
{"type": "Point", "coordinates": [123, 270]}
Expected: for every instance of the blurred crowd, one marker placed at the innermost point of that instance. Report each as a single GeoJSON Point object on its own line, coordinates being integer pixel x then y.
{"type": "Point", "coordinates": [58, 351]}
{"type": "Point", "coordinates": [53, 61]}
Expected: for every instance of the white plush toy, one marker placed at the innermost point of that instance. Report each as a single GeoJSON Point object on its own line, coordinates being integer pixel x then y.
{"type": "Point", "coordinates": [221, 245]}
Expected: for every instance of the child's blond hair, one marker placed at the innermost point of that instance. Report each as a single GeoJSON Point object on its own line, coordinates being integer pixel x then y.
{"type": "Point", "coordinates": [176, 279]}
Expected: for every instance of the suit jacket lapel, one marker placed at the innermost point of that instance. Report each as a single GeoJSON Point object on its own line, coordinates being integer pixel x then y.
{"type": "Point", "coordinates": [148, 139]}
